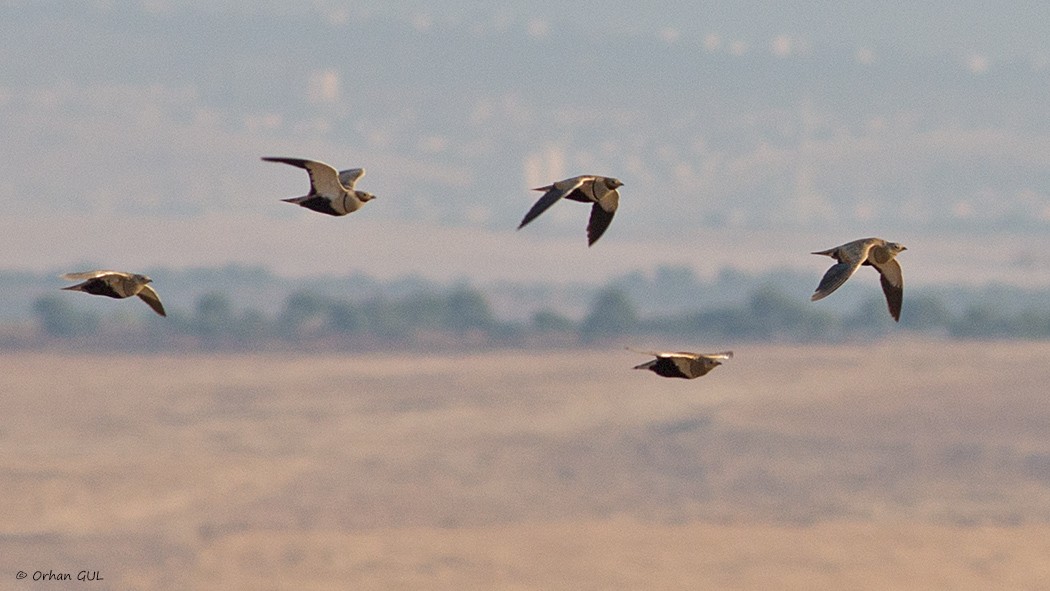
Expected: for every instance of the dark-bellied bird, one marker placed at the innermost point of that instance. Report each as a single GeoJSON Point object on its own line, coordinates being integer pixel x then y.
{"type": "Point", "coordinates": [874, 252]}
{"type": "Point", "coordinates": [116, 284]}
{"type": "Point", "coordinates": [682, 364]}
{"type": "Point", "coordinates": [331, 192]}
{"type": "Point", "coordinates": [600, 191]}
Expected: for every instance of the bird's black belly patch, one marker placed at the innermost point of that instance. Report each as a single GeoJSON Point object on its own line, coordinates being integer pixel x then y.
{"type": "Point", "coordinates": [579, 195]}
{"type": "Point", "coordinates": [100, 287]}
{"type": "Point", "coordinates": [320, 204]}
{"type": "Point", "coordinates": [667, 368]}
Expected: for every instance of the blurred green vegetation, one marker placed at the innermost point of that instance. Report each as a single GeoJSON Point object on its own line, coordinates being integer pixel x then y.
{"type": "Point", "coordinates": [461, 317]}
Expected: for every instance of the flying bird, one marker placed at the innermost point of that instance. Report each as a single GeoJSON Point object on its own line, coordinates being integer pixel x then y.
{"type": "Point", "coordinates": [331, 192]}
{"type": "Point", "coordinates": [600, 191]}
{"type": "Point", "coordinates": [682, 364]}
{"type": "Point", "coordinates": [115, 284]}
{"type": "Point", "coordinates": [874, 252]}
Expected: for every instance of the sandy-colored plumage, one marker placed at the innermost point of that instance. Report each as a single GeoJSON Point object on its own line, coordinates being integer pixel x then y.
{"type": "Point", "coordinates": [331, 192]}
{"type": "Point", "coordinates": [874, 252]}
{"type": "Point", "coordinates": [116, 284]}
{"type": "Point", "coordinates": [600, 191]}
{"type": "Point", "coordinates": [682, 364]}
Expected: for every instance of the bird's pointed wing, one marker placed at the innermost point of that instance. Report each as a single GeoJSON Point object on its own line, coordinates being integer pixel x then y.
{"type": "Point", "coordinates": [150, 297]}
{"type": "Point", "coordinates": [850, 256]}
{"type": "Point", "coordinates": [350, 176]}
{"type": "Point", "coordinates": [90, 275]}
{"type": "Point", "coordinates": [892, 285]}
{"type": "Point", "coordinates": [644, 352]}
{"type": "Point", "coordinates": [834, 278]}
{"type": "Point", "coordinates": [324, 180]}
{"type": "Point", "coordinates": [719, 356]}
{"type": "Point", "coordinates": [600, 220]}
{"type": "Point", "coordinates": [553, 194]}
{"type": "Point", "coordinates": [689, 354]}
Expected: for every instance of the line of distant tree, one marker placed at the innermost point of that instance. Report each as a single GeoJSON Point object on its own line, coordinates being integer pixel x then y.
{"type": "Point", "coordinates": [461, 317]}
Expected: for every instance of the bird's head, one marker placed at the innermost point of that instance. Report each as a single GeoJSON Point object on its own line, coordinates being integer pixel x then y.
{"type": "Point", "coordinates": [141, 278]}
{"type": "Point", "coordinates": [365, 196]}
{"type": "Point", "coordinates": [896, 247]}
{"type": "Point", "coordinates": [613, 183]}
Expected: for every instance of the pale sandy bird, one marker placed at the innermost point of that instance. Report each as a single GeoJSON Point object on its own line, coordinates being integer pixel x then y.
{"type": "Point", "coordinates": [331, 192]}
{"type": "Point", "coordinates": [874, 252]}
{"type": "Point", "coordinates": [597, 190]}
{"type": "Point", "coordinates": [115, 284]}
{"type": "Point", "coordinates": [682, 364]}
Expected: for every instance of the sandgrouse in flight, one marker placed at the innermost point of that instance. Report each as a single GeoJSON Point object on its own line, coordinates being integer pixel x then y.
{"type": "Point", "coordinates": [682, 364]}
{"type": "Point", "coordinates": [116, 284]}
{"type": "Point", "coordinates": [874, 252]}
{"type": "Point", "coordinates": [331, 192]}
{"type": "Point", "coordinates": [600, 191]}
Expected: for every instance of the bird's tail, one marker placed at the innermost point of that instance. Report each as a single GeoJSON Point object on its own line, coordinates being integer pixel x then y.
{"type": "Point", "coordinates": [297, 200]}
{"type": "Point", "coordinates": [646, 365]}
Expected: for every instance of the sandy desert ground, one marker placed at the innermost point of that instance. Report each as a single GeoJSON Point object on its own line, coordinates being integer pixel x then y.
{"type": "Point", "coordinates": [913, 465]}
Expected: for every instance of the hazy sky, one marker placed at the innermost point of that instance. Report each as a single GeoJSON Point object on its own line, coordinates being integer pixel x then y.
{"type": "Point", "coordinates": [747, 133]}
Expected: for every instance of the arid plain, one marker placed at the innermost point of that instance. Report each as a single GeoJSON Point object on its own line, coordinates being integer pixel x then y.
{"type": "Point", "coordinates": [897, 465]}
